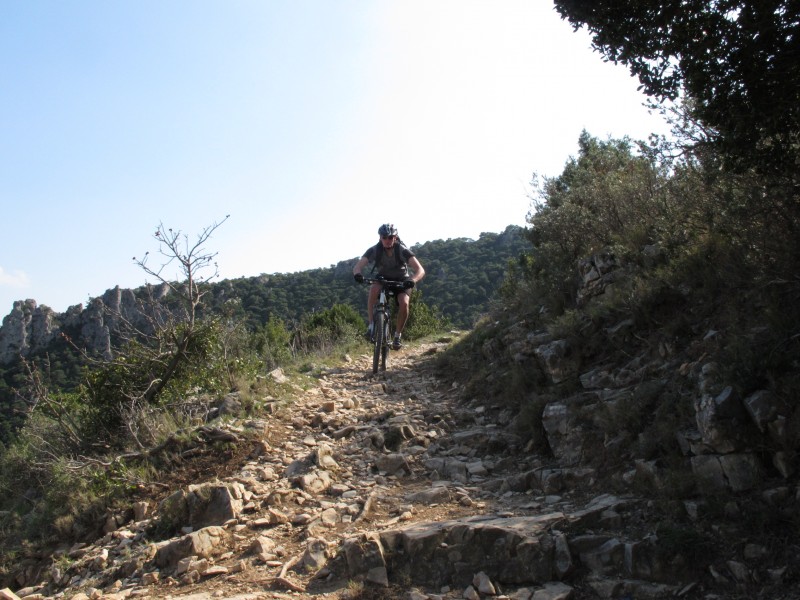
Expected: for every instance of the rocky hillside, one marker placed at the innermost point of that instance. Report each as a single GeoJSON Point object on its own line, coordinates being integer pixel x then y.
{"type": "Point", "coordinates": [408, 486]}
{"type": "Point", "coordinates": [624, 449]}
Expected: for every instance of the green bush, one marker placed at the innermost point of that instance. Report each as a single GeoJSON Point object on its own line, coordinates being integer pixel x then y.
{"type": "Point", "coordinates": [322, 331]}
{"type": "Point", "coordinates": [609, 197]}
{"type": "Point", "coordinates": [52, 496]}
{"type": "Point", "coordinates": [340, 320]}
{"type": "Point", "coordinates": [272, 342]}
{"type": "Point", "coordinates": [423, 320]}
{"type": "Point", "coordinates": [115, 391]}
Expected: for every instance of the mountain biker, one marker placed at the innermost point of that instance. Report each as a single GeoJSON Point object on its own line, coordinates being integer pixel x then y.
{"type": "Point", "coordinates": [392, 260]}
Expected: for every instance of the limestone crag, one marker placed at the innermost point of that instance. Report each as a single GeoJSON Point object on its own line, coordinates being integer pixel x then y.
{"type": "Point", "coordinates": [29, 327]}
{"type": "Point", "coordinates": [26, 327]}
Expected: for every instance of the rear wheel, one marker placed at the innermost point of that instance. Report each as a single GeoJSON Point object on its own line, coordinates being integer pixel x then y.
{"type": "Point", "coordinates": [378, 329]}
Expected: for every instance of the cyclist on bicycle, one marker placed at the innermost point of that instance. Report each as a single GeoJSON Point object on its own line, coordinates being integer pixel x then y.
{"type": "Point", "coordinates": [392, 259]}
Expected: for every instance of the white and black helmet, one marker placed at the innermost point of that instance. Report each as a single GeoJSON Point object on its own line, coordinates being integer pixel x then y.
{"type": "Point", "coordinates": [387, 229]}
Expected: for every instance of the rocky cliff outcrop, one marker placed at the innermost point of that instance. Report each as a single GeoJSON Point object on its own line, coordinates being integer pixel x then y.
{"type": "Point", "coordinates": [615, 379]}
{"type": "Point", "coordinates": [26, 328]}
{"type": "Point", "coordinates": [29, 328]}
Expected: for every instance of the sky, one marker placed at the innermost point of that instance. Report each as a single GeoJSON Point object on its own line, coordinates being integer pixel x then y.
{"type": "Point", "coordinates": [309, 122]}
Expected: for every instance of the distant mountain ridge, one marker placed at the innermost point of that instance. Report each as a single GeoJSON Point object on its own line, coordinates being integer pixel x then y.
{"type": "Point", "coordinates": [462, 275]}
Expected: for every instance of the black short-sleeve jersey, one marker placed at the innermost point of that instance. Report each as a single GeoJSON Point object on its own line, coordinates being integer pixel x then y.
{"type": "Point", "coordinates": [391, 267]}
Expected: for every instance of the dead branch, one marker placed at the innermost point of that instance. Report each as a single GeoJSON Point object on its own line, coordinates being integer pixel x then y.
{"type": "Point", "coordinates": [368, 504]}
{"type": "Point", "coordinates": [283, 581]}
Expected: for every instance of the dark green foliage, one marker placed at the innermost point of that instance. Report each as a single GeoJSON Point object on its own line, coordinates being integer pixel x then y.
{"type": "Point", "coordinates": [116, 390]}
{"type": "Point", "coordinates": [60, 365]}
{"type": "Point", "coordinates": [272, 342]}
{"type": "Point", "coordinates": [462, 276]}
{"type": "Point", "coordinates": [321, 331]}
{"type": "Point", "coordinates": [423, 320]}
{"type": "Point", "coordinates": [340, 320]}
{"type": "Point", "coordinates": [608, 198]}
{"type": "Point", "coordinates": [736, 59]}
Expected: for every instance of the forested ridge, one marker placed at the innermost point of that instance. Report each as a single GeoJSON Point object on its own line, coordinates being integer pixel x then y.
{"type": "Point", "coordinates": [462, 276]}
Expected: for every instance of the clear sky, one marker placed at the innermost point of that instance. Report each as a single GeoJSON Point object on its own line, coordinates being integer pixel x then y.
{"type": "Point", "coordinates": [310, 122]}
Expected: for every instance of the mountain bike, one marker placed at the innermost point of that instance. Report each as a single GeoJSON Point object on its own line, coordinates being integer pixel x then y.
{"type": "Point", "coordinates": [382, 320]}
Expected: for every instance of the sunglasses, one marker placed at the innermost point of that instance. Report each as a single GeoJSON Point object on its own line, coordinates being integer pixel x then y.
{"type": "Point", "coordinates": [388, 237]}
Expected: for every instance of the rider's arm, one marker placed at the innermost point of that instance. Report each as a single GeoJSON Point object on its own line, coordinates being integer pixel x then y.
{"type": "Point", "coordinates": [419, 272]}
{"type": "Point", "coordinates": [360, 265]}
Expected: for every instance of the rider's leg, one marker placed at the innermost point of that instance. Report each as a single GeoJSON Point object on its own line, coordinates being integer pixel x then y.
{"type": "Point", "coordinates": [402, 311]}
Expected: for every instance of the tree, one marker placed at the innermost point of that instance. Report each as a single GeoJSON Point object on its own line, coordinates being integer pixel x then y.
{"type": "Point", "coordinates": [608, 198]}
{"type": "Point", "coordinates": [736, 60]}
{"type": "Point", "coordinates": [169, 350]}
{"type": "Point", "coordinates": [193, 260]}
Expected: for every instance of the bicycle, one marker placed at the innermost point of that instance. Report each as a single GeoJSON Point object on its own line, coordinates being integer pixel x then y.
{"type": "Point", "coordinates": [382, 320]}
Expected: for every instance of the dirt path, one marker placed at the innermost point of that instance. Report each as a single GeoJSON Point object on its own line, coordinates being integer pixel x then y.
{"type": "Point", "coordinates": [354, 454]}
{"type": "Point", "coordinates": [380, 430]}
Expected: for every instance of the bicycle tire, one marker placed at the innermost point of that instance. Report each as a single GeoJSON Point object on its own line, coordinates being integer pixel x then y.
{"type": "Point", "coordinates": [378, 328]}
{"type": "Point", "coordinates": [385, 346]}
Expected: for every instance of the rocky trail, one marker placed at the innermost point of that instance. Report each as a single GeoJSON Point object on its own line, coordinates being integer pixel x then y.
{"type": "Point", "coordinates": [365, 487]}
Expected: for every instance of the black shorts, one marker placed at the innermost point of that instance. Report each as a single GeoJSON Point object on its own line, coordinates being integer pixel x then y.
{"type": "Point", "coordinates": [396, 292]}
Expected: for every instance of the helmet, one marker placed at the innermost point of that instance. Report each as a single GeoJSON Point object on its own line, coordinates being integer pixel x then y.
{"type": "Point", "coordinates": [387, 229]}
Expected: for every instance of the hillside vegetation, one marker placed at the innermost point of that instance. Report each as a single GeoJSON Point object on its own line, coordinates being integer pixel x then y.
{"type": "Point", "coordinates": [79, 422]}
{"type": "Point", "coordinates": [636, 256]}
{"type": "Point", "coordinates": [269, 318]}
{"type": "Point", "coordinates": [462, 275]}
{"type": "Point", "coordinates": [649, 331]}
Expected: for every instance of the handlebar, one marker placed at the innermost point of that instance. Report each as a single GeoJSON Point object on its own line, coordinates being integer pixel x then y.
{"type": "Point", "coordinates": [389, 284]}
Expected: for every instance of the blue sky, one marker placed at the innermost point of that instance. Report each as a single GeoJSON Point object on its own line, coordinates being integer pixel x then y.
{"type": "Point", "coordinates": [309, 122]}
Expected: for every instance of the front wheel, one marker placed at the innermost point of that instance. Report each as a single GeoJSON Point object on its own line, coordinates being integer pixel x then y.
{"type": "Point", "coordinates": [386, 337]}
{"type": "Point", "coordinates": [378, 329]}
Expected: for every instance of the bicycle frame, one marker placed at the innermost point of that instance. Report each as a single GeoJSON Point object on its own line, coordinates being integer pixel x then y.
{"type": "Point", "coordinates": [381, 319]}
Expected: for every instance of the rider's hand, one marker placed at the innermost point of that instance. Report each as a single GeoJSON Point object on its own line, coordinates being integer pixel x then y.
{"type": "Point", "coordinates": [408, 284]}
{"type": "Point", "coordinates": [358, 277]}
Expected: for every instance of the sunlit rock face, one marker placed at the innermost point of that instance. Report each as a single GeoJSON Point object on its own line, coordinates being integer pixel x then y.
{"type": "Point", "coordinates": [26, 328]}
{"type": "Point", "coordinates": [29, 328]}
